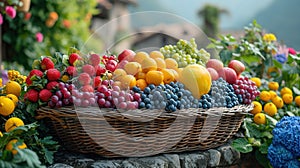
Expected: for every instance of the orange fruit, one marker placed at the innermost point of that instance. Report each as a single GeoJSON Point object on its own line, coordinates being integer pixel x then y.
{"type": "Point", "coordinates": [140, 75]}
{"type": "Point", "coordinates": [156, 54]}
{"type": "Point", "coordinates": [118, 74]}
{"type": "Point", "coordinates": [273, 85]}
{"type": "Point", "coordinates": [259, 118]}
{"type": "Point", "coordinates": [297, 100]}
{"type": "Point", "coordinates": [13, 123]}
{"type": "Point", "coordinates": [154, 77]}
{"type": "Point", "coordinates": [285, 90]}
{"type": "Point", "coordinates": [161, 64]}
{"type": "Point", "coordinates": [148, 64]}
{"type": "Point", "coordinates": [128, 82]}
{"type": "Point", "coordinates": [270, 109]}
{"type": "Point", "coordinates": [257, 107]}
{"type": "Point", "coordinates": [287, 98]}
{"type": "Point", "coordinates": [13, 87]}
{"type": "Point", "coordinates": [140, 56]}
{"type": "Point", "coordinates": [278, 102]}
{"type": "Point", "coordinates": [265, 96]}
{"type": "Point", "coordinates": [132, 68]}
{"type": "Point", "coordinates": [7, 106]}
{"type": "Point", "coordinates": [256, 81]}
{"type": "Point", "coordinates": [171, 63]}
{"type": "Point", "coordinates": [168, 76]}
{"type": "Point", "coordinates": [273, 94]}
{"type": "Point", "coordinates": [10, 146]}
{"type": "Point", "coordinates": [141, 83]}
{"type": "Point", "coordinates": [175, 73]}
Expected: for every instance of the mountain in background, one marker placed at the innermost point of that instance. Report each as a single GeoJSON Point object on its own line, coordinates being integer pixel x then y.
{"type": "Point", "coordinates": [281, 18]}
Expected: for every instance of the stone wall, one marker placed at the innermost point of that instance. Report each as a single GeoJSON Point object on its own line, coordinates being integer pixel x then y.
{"type": "Point", "coordinates": [224, 156]}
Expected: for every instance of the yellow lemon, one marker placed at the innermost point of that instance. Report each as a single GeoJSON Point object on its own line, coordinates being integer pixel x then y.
{"type": "Point", "coordinates": [259, 118]}
{"type": "Point", "coordinates": [10, 146]}
{"type": "Point", "coordinates": [257, 107]}
{"type": "Point", "coordinates": [270, 109]}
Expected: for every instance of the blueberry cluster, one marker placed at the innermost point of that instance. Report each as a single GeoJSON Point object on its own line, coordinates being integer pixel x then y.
{"type": "Point", "coordinates": [170, 97]}
{"type": "Point", "coordinates": [221, 94]}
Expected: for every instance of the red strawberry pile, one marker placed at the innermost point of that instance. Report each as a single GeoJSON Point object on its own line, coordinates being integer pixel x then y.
{"type": "Point", "coordinates": [75, 79]}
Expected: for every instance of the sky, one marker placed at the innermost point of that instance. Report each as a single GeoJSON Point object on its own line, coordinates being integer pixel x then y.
{"type": "Point", "coordinates": [240, 11]}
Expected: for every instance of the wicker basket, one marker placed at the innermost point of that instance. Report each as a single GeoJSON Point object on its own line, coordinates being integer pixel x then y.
{"type": "Point", "coordinates": [142, 132]}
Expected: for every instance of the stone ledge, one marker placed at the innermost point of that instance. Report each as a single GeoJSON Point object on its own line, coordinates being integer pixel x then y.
{"type": "Point", "coordinates": [224, 156]}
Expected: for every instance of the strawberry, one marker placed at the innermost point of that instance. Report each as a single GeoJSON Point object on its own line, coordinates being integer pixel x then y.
{"type": "Point", "coordinates": [36, 72]}
{"type": "Point", "coordinates": [89, 69]}
{"type": "Point", "coordinates": [53, 74]}
{"type": "Point", "coordinates": [33, 72]}
{"type": "Point", "coordinates": [94, 59]}
{"type": "Point", "coordinates": [73, 58]}
{"type": "Point", "coordinates": [52, 85]}
{"type": "Point", "coordinates": [97, 81]}
{"type": "Point", "coordinates": [87, 88]}
{"type": "Point", "coordinates": [32, 95]}
{"type": "Point", "coordinates": [45, 95]}
{"type": "Point", "coordinates": [84, 78]}
{"type": "Point", "coordinates": [46, 64]}
{"type": "Point", "coordinates": [71, 70]}
{"type": "Point", "coordinates": [99, 70]}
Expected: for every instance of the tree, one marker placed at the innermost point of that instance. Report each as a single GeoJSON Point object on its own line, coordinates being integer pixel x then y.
{"type": "Point", "coordinates": [211, 18]}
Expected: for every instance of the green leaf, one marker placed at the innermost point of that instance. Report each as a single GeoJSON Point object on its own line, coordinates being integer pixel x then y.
{"type": "Point", "coordinates": [264, 148]}
{"type": "Point", "coordinates": [27, 157]}
{"type": "Point", "coordinates": [271, 120]}
{"type": "Point", "coordinates": [262, 159]}
{"type": "Point", "coordinates": [290, 113]}
{"type": "Point", "coordinates": [277, 64]}
{"type": "Point", "coordinates": [31, 108]}
{"type": "Point", "coordinates": [242, 145]}
{"type": "Point", "coordinates": [296, 90]}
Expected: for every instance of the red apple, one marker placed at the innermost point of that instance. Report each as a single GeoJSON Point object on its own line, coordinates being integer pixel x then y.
{"type": "Point", "coordinates": [230, 75]}
{"type": "Point", "coordinates": [213, 73]}
{"type": "Point", "coordinates": [126, 53]}
{"type": "Point", "coordinates": [215, 64]}
{"type": "Point", "coordinates": [122, 64]}
{"type": "Point", "coordinates": [237, 66]}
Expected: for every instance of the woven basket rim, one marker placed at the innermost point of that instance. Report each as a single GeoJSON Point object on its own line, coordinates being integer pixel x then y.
{"type": "Point", "coordinates": [70, 111]}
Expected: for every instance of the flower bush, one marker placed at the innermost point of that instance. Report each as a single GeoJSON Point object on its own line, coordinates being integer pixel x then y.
{"type": "Point", "coordinates": [275, 68]}
{"type": "Point", "coordinates": [285, 148]}
{"type": "Point", "coordinates": [48, 26]}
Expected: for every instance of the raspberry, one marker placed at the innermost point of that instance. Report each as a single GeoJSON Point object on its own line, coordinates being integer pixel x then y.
{"type": "Point", "coordinates": [36, 72]}
{"type": "Point", "coordinates": [53, 74]}
{"type": "Point", "coordinates": [32, 95]}
{"type": "Point", "coordinates": [46, 64]}
{"type": "Point", "coordinates": [89, 69]}
{"type": "Point", "coordinates": [84, 79]}
{"type": "Point", "coordinates": [87, 88]}
{"type": "Point", "coordinates": [71, 70]}
{"type": "Point", "coordinates": [52, 85]}
{"type": "Point", "coordinates": [73, 58]}
{"type": "Point", "coordinates": [94, 59]}
{"type": "Point", "coordinates": [100, 70]}
{"type": "Point", "coordinates": [45, 95]}
{"type": "Point", "coordinates": [97, 81]}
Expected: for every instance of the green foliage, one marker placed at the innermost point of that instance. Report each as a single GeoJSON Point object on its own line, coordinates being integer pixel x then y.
{"type": "Point", "coordinates": [257, 52]}
{"type": "Point", "coordinates": [70, 29]}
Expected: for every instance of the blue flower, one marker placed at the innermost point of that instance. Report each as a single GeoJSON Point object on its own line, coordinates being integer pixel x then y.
{"type": "Point", "coordinates": [285, 147]}
{"type": "Point", "coordinates": [280, 58]}
{"type": "Point", "coordinates": [279, 156]}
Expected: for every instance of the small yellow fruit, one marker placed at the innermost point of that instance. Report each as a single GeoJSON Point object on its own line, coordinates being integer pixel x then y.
{"type": "Point", "coordinates": [273, 85]}
{"type": "Point", "coordinates": [132, 68]}
{"type": "Point", "coordinates": [297, 100]}
{"type": "Point", "coordinates": [260, 118]}
{"type": "Point", "coordinates": [278, 102]}
{"type": "Point", "coordinates": [13, 123]}
{"type": "Point", "coordinates": [128, 82]}
{"type": "Point", "coordinates": [171, 63]}
{"type": "Point", "coordinates": [161, 64]}
{"type": "Point", "coordinates": [285, 90]}
{"type": "Point", "coordinates": [1, 135]}
{"type": "Point", "coordinates": [273, 94]}
{"type": "Point", "coordinates": [65, 78]}
{"type": "Point", "coordinates": [10, 146]}
{"type": "Point", "coordinates": [257, 107]}
{"type": "Point", "coordinates": [256, 81]}
{"type": "Point", "coordinates": [140, 56]}
{"type": "Point", "coordinates": [156, 54]}
{"type": "Point", "coordinates": [168, 76]}
{"type": "Point", "coordinates": [13, 87]}
{"type": "Point", "coordinates": [270, 109]}
{"type": "Point", "coordinates": [118, 74]}
{"type": "Point", "coordinates": [287, 98]}
{"type": "Point", "coordinates": [13, 97]}
{"type": "Point", "coordinates": [148, 64]}
{"type": "Point", "coordinates": [7, 106]}
{"type": "Point", "coordinates": [265, 96]}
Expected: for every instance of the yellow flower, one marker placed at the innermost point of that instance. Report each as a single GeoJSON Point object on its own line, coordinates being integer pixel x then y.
{"type": "Point", "coordinates": [269, 37]}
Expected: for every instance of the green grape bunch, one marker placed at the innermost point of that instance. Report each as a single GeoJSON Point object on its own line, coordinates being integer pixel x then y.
{"type": "Point", "coordinates": [186, 53]}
